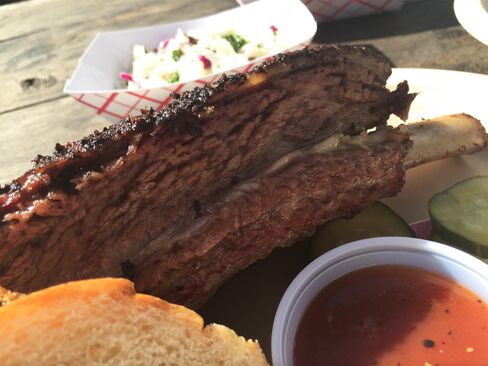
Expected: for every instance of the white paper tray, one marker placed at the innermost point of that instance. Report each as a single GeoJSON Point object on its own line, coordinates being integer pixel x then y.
{"type": "Point", "coordinates": [94, 81]}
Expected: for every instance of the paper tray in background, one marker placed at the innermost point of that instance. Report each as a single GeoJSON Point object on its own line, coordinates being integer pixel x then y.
{"type": "Point", "coordinates": [331, 10]}
{"type": "Point", "coordinates": [93, 82]}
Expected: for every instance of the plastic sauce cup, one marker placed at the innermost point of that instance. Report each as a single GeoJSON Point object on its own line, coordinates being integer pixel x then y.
{"type": "Point", "coordinates": [444, 260]}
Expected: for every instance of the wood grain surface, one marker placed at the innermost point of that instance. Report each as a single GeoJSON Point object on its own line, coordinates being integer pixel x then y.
{"type": "Point", "coordinates": [42, 40]}
{"type": "Point", "coordinates": [40, 44]}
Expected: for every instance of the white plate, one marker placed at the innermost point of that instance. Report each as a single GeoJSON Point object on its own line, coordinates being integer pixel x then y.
{"type": "Point", "coordinates": [248, 302]}
{"type": "Point", "coordinates": [473, 16]}
{"type": "Point", "coordinates": [440, 92]}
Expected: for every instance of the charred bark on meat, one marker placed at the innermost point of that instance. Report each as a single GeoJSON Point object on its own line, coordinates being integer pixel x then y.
{"type": "Point", "coordinates": [112, 197]}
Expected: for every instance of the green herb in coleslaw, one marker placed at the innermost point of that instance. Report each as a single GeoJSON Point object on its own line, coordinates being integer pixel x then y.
{"type": "Point", "coordinates": [198, 53]}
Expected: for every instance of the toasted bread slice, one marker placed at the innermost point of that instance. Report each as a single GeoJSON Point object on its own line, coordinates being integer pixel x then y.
{"type": "Point", "coordinates": [105, 322]}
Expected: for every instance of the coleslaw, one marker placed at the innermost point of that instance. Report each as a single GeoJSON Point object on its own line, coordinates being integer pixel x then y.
{"type": "Point", "coordinates": [197, 53]}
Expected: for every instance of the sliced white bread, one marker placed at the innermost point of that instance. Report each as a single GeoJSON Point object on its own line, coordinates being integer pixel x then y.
{"type": "Point", "coordinates": [105, 322]}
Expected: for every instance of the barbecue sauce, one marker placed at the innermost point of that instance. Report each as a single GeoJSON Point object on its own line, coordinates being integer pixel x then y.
{"type": "Point", "coordinates": [393, 315]}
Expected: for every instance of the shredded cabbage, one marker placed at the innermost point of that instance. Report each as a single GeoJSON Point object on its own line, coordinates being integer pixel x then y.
{"type": "Point", "coordinates": [198, 53]}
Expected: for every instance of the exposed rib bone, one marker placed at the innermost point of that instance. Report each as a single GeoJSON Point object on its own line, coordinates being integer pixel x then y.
{"type": "Point", "coordinates": [444, 137]}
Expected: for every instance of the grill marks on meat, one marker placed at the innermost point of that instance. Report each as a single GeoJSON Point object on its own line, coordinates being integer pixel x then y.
{"type": "Point", "coordinates": [113, 197]}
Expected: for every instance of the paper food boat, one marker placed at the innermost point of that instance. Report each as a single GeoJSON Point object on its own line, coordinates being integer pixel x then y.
{"type": "Point", "coordinates": [330, 10]}
{"type": "Point", "coordinates": [94, 81]}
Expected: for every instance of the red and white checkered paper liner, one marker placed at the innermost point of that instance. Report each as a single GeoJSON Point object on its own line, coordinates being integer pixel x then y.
{"type": "Point", "coordinates": [92, 82]}
{"type": "Point", "coordinates": [118, 105]}
{"type": "Point", "coordinates": [330, 10]}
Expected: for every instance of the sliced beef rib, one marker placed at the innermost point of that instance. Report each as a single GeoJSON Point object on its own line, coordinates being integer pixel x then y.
{"type": "Point", "coordinates": [182, 198]}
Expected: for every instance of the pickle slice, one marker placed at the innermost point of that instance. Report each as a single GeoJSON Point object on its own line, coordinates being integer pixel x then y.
{"type": "Point", "coordinates": [460, 215]}
{"type": "Point", "coordinates": [468, 247]}
{"type": "Point", "coordinates": [375, 220]}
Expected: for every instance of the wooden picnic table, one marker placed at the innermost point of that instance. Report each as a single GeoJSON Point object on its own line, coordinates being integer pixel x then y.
{"type": "Point", "coordinates": [42, 40]}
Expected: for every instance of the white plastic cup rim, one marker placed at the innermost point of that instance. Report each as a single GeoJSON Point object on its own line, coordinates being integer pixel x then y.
{"type": "Point", "coordinates": [444, 260]}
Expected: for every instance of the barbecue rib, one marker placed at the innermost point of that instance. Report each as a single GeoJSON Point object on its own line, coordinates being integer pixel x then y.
{"type": "Point", "coordinates": [181, 199]}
